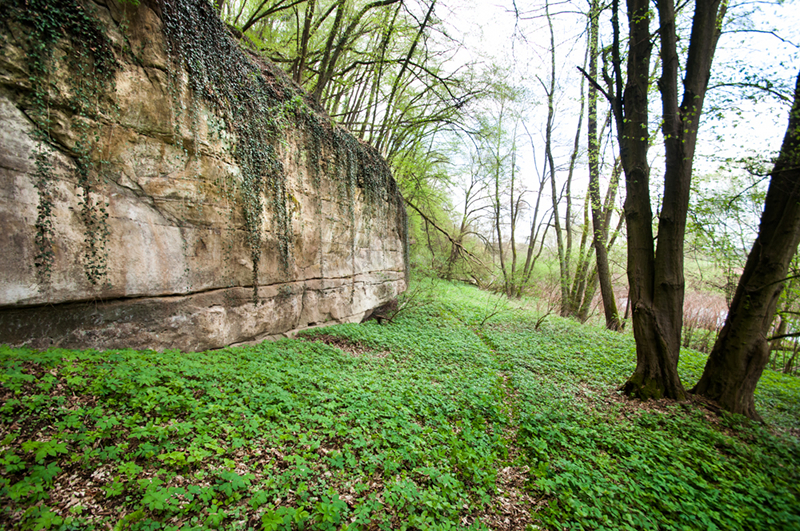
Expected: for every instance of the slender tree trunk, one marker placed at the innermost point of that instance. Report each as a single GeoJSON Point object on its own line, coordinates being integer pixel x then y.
{"type": "Point", "coordinates": [787, 368]}
{"type": "Point", "coordinates": [359, 86]}
{"type": "Point", "coordinates": [514, 205]}
{"type": "Point", "coordinates": [470, 197]}
{"type": "Point", "coordinates": [568, 194]}
{"type": "Point", "coordinates": [371, 118]}
{"type": "Point", "coordinates": [400, 77]}
{"type": "Point", "coordinates": [588, 295]}
{"type": "Point", "coordinates": [326, 57]}
{"type": "Point", "coordinates": [742, 350]}
{"type": "Point", "coordinates": [564, 280]}
{"type": "Point", "coordinates": [239, 14]}
{"type": "Point", "coordinates": [332, 53]}
{"type": "Point", "coordinates": [600, 229]}
{"type": "Point", "coordinates": [497, 225]}
{"type": "Point", "coordinates": [301, 59]}
{"type": "Point", "coordinates": [497, 203]}
{"type": "Point", "coordinates": [530, 261]}
{"type": "Point", "coordinates": [593, 282]}
{"type": "Point", "coordinates": [584, 255]}
{"type": "Point", "coordinates": [580, 269]}
{"type": "Point", "coordinates": [776, 344]}
{"type": "Point", "coordinates": [536, 227]}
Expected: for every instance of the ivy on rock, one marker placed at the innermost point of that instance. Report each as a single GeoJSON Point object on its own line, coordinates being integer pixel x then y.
{"type": "Point", "coordinates": [257, 103]}
{"type": "Point", "coordinates": [254, 102]}
{"type": "Point", "coordinates": [91, 66]}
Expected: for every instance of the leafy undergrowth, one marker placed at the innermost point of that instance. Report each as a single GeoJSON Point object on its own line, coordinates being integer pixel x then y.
{"type": "Point", "coordinates": [444, 419]}
{"type": "Point", "coordinates": [609, 463]}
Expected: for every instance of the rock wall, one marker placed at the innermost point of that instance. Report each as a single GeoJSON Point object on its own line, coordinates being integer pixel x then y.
{"type": "Point", "coordinates": [147, 202]}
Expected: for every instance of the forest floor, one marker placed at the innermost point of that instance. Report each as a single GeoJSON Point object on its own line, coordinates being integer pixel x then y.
{"type": "Point", "coordinates": [461, 413]}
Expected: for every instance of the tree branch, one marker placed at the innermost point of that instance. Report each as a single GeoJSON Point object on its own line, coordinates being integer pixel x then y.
{"type": "Point", "coordinates": [773, 338]}
{"type": "Point", "coordinates": [765, 32]}
{"type": "Point", "coordinates": [596, 85]}
{"type": "Point", "coordinates": [765, 88]}
{"type": "Point", "coordinates": [777, 282]}
{"type": "Point", "coordinates": [447, 235]}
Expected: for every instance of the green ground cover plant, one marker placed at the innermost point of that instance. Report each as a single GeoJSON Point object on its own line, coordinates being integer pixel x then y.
{"type": "Point", "coordinates": [443, 419]}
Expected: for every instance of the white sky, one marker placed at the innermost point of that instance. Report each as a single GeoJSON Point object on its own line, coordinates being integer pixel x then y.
{"type": "Point", "coordinates": [488, 26]}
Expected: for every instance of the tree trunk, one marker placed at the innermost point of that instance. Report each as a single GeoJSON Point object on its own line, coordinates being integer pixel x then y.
{"type": "Point", "coordinates": [514, 207]}
{"type": "Point", "coordinates": [578, 280]}
{"type": "Point", "coordinates": [741, 351]}
{"type": "Point", "coordinates": [583, 259]}
{"type": "Point", "coordinates": [536, 226]}
{"type": "Point", "coordinates": [787, 368]}
{"type": "Point", "coordinates": [326, 58]}
{"type": "Point", "coordinates": [497, 208]}
{"type": "Point", "coordinates": [656, 361]}
{"type": "Point", "coordinates": [599, 225]}
{"type": "Point", "coordinates": [306, 35]}
{"type": "Point", "coordinates": [568, 196]}
{"type": "Point", "coordinates": [371, 115]}
{"type": "Point", "coordinates": [591, 287]}
{"type": "Point", "coordinates": [327, 67]}
{"type": "Point", "coordinates": [655, 275]}
{"type": "Point", "coordinates": [400, 78]}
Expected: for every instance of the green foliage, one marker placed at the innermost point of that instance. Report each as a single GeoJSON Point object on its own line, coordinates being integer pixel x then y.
{"type": "Point", "coordinates": [609, 465]}
{"type": "Point", "coordinates": [723, 223]}
{"type": "Point", "coordinates": [409, 430]}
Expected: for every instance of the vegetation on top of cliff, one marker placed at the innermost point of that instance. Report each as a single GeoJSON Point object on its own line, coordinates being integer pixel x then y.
{"type": "Point", "coordinates": [456, 415]}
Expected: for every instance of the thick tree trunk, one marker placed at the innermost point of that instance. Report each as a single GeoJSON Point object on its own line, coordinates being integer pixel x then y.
{"type": "Point", "coordinates": [742, 351]}
{"type": "Point", "coordinates": [656, 356]}
{"type": "Point", "coordinates": [655, 275]}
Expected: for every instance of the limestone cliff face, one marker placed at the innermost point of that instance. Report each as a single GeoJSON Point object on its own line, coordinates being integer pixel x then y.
{"type": "Point", "coordinates": [145, 208]}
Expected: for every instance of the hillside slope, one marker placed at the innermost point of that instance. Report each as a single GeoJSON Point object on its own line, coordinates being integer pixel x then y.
{"type": "Point", "coordinates": [451, 416]}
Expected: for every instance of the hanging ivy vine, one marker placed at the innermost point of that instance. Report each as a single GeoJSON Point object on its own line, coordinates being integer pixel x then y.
{"type": "Point", "coordinates": [235, 88]}
{"type": "Point", "coordinates": [257, 109]}
{"type": "Point", "coordinates": [91, 66]}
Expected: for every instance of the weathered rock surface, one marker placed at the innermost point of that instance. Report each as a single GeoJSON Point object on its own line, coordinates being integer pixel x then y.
{"type": "Point", "coordinates": [178, 272]}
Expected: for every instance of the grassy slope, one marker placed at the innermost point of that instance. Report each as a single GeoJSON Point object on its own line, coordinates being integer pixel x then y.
{"type": "Point", "coordinates": [431, 422]}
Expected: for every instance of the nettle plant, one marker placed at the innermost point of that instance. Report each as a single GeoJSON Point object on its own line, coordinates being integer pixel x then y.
{"type": "Point", "coordinates": [91, 65]}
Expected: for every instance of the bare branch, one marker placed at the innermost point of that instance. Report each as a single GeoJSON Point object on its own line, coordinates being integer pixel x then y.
{"type": "Point", "coordinates": [447, 234]}
{"type": "Point", "coordinates": [782, 336]}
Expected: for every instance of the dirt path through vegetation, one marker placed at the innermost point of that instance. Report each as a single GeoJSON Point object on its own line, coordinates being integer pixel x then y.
{"type": "Point", "coordinates": [512, 507]}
